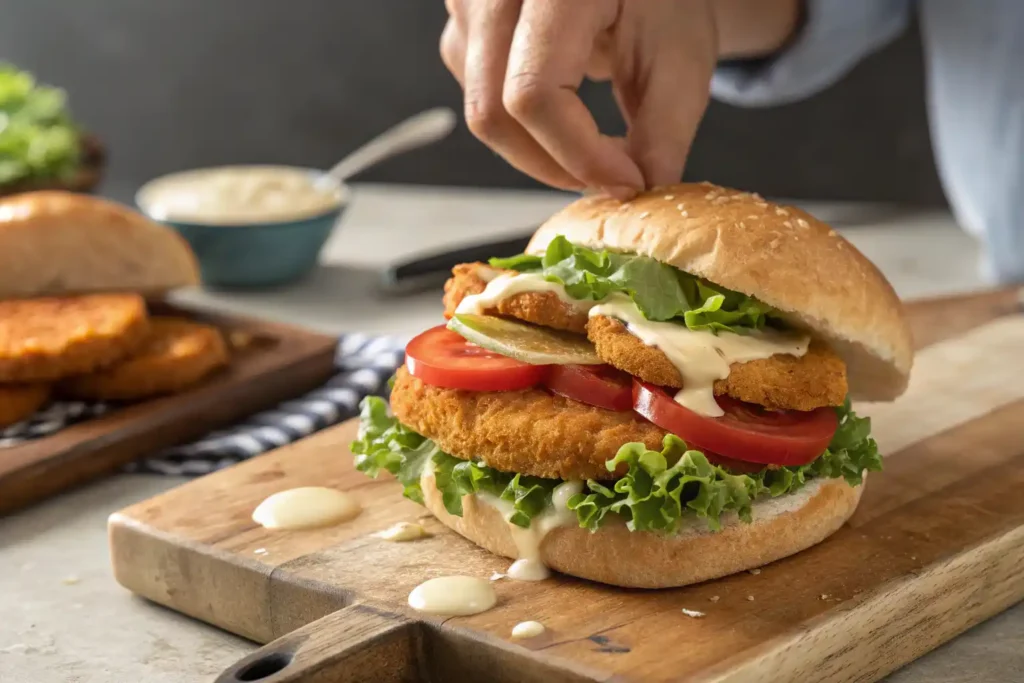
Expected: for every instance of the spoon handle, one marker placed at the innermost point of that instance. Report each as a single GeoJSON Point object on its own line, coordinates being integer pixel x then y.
{"type": "Point", "coordinates": [417, 131]}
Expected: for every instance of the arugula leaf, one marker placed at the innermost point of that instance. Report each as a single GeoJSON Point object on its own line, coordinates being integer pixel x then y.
{"type": "Point", "coordinates": [658, 492]}
{"type": "Point", "coordinates": [37, 137]}
{"type": "Point", "coordinates": [661, 292]}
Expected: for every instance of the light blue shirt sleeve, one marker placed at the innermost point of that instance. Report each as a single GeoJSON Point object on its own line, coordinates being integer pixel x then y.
{"type": "Point", "coordinates": [835, 36]}
{"type": "Point", "coordinates": [974, 57]}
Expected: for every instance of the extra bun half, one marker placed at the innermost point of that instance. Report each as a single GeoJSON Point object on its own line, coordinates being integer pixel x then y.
{"type": "Point", "coordinates": [638, 559]}
{"type": "Point", "coordinates": [55, 243]}
{"type": "Point", "coordinates": [783, 256]}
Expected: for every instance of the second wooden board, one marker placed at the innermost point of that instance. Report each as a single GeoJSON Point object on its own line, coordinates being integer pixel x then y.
{"type": "Point", "coordinates": [270, 363]}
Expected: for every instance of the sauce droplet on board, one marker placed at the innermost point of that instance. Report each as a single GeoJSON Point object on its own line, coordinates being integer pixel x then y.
{"type": "Point", "coordinates": [453, 596]}
{"type": "Point", "coordinates": [401, 532]}
{"type": "Point", "coordinates": [306, 507]}
{"type": "Point", "coordinates": [527, 629]}
{"type": "Point", "coordinates": [528, 569]}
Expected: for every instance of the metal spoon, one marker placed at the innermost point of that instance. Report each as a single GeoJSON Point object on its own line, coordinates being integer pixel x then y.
{"type": "Point", "coordinates": [417, 131]}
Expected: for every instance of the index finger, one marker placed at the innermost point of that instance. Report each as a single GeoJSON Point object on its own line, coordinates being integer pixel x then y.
{"type": "Point", "coordinates": [548, 60]}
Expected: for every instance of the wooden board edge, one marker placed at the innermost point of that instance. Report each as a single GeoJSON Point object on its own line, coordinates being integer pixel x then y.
{"type": "Point", "coordinates": [157, 566]}
{"type": "Point", "coordinates": [893, 625]}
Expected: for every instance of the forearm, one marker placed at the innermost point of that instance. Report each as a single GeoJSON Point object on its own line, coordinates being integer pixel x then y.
{"type": "Point", "coordinates": [755, 28]}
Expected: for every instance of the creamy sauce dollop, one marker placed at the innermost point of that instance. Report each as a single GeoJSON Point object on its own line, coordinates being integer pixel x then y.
{"type": "Point", "coordinates": [402, 532]}
{"type": "Point", "coordinates": [527, 629]}
{"type": "Point", "coordinates": [453, 596]}
{"type": "Point", "coordinates": [306, 507]}
{"type": "Point", "coordinates": [238, 195]}
{"type": "Point", "coordinates": [701, 357]}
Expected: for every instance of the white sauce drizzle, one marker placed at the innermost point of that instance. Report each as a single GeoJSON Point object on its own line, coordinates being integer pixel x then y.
{"type": "Point", "coordinates": [530, 566]}
{"type": "Point", "coordinates": [401, 532]}
{"type": "Point", "coordinates": [527, 629]}
{"type": "Point", "coordinates": [700, 356]}
{"type": "Point", "coordinates": [306, 507]}
{"type": "Point", "coordinates": [453, 596]}
{"type": "Point", "coordinates": [507, 285]}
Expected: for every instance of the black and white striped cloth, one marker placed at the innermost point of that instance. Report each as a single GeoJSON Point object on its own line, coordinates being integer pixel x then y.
{"type": "Point", "coordinates": [363, 363]}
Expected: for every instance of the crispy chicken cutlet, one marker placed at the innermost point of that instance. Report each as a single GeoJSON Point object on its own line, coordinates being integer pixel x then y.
{"type": "Point", "coordinates": [530, 431]}
{"type": "Point", "coordinates": [540, 308]}
{"type": "Point", "coordinates": [781, 382]}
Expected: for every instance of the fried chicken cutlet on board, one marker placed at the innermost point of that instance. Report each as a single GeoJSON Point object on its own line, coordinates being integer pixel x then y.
{"type": "Point", "coordinates": [51, 338]}
{"type": "Point", "coordinates": [176, 354]}
{"type": "Point", "coordinates": [19, 401]}
{"type": "Point", "coordinates": [781, 382]}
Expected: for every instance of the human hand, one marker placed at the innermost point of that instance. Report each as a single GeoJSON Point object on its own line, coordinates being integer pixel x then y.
{"type": "Point", "coordinates": [520, 63]}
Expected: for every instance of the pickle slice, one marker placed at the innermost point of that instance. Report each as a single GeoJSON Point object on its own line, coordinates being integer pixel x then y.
{"type": "Point", "coordinates": [526, 343]}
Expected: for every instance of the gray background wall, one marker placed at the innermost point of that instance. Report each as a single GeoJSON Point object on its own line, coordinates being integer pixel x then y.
{"type": "Point", "coordinates": [176, 84]}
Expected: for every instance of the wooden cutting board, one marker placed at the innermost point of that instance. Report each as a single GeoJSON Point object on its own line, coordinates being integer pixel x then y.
{"type": "Point", "coordinates": [270, 363]}
{"type": "Point", "coordinates": [936, 546]}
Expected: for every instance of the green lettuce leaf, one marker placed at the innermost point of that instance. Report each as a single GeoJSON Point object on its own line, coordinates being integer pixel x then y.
{"type": "Point", "coordinates": [661, 292]}
{"type": "Point", "coordinates": [658, 492]}
{"type": "Point", "coordinates": [38, 139]}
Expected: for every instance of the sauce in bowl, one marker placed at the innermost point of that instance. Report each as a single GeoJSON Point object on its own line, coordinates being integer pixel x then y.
{"type": "Point", "coordinates": [240, 195]}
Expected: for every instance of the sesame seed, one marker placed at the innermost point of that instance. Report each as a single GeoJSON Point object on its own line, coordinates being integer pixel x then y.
{"type": "Point", "coordinates": [683, 214]}
{"type": "Point", "coordinates": [756, 196]}
{"type": "Point", "coordinates": [762, 205]}
{"type": "Point", "coordinates": [692, 613]}
{"type": "Point", "coordinates": [788, 224]}
{"type": "Point", "coordinates": [831, 233]}
{"type": "Point", "coordinates": [755, 571]}
{"type": "Point", "coordinates": [680, 206]}
{"type": "Point", "coordinates": [670, 197]}
{"type": "Point", "coordinates": [801, 222]}
{"type": "Point", "coordinates": [710, 195]}
{"type": "Point", "coordinates": [823, 596]}
{"type": "Point", "coordinates": [750, 598]}
{"type": "Point", "coordinates": [779, 211]}
{"type": "Point", "coordinates": [721, 200]}
{"type": "Point", "coordinates": [713, 598]}
{"type": "Point", "coordinates": [645, 214]}
{"type": "Point", "coordinates": [707, 183]}
{"type": "Point", "coordinates": [743, 225]}
{"type": "Point", "coordinates": [752, 217]}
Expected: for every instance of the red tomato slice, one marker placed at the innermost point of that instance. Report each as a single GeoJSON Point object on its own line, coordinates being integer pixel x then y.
{"type": "Point", "coordinates": [444, 359]}
{"type": "Point", "coordinates": [746, 431]}
{"type": "Point", "coordinates": [597, 385]}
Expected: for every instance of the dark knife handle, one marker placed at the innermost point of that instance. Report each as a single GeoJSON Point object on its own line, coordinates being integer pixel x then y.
{"type": "Point", "coordinates": [431, 270]}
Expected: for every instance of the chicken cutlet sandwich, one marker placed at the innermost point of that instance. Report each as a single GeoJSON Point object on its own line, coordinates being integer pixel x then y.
{"type": "Point", "coordinates": [655, 394]}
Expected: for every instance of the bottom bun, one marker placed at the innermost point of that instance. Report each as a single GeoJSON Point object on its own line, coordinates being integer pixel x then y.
{"type": "Point", "coordinates": [640, 559]}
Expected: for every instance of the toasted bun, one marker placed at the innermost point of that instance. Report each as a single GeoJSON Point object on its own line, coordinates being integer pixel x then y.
{"type": "Point", "coordinates": [639, 559]}
{"type": "Point", "coordinates": [54, 243]}
{"type": "Point", "coordinates": [783, 256]}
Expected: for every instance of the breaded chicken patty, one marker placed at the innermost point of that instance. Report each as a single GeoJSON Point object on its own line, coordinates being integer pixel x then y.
{"type": "Point", "coordinates": [531, 431]}
{"type": "Point", "coordinates": [782, 382]}
{"type": "Point", "coordinates": [539, 308]}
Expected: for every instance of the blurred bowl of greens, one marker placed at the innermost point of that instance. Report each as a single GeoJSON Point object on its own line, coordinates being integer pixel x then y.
{"type": "Point", "coordinates": [41, 146]}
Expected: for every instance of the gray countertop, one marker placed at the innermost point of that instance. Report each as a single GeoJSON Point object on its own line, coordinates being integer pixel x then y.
{"type": "Point", "coordinates": [64, 617]}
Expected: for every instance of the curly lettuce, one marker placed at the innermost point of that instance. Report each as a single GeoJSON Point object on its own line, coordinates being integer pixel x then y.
{"type": "Point", "coordinates": [38, 139]}
{"type": "Point", "coordinates": [661, 292]}
{"type": "Point", "coordinates": [658, 492]}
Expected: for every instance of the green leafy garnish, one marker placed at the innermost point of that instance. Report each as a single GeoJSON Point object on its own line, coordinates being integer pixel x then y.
{"type": "Point", "coordinates": [661, 292]}
{"type": "Point", "coordinates": [38, 139]}
{"type": "Point", "coordinates": [659, 490]}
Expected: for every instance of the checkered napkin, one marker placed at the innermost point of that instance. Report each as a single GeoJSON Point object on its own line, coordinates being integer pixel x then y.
{"type": "Point", "coordinates": [363, 363]}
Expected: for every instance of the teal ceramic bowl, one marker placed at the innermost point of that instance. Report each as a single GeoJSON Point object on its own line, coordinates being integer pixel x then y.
{"type": "Point", "coordinates": [254, 253]}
